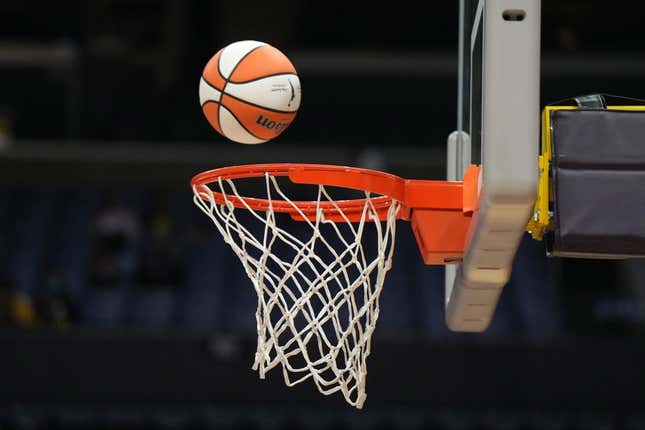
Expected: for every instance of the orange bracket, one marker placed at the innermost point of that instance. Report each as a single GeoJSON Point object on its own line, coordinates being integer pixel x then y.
{"type": "Point", "coordinates": [441, 230]}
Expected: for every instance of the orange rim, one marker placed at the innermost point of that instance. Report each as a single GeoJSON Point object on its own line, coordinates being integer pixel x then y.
{"type": "Point", "coordinates": [410, 193]}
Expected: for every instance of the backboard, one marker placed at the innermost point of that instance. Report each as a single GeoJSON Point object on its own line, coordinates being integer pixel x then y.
{"type": "Point", "coordinates": [498, 128]}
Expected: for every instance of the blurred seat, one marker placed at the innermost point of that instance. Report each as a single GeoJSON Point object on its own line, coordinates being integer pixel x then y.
{"type": "Point", "coordinates": [431, 298]}
{"type": "Point", "coordinates": [506, 321]}
{"type": "Point", "coordinates": [124, 420]}
{"type": "Point", "coordinates": [151, 307]}
{"type": "Point", "coordinates": [70, 249]}
{"type": "Point", "coordinates": [199, 304]}
{"type": "Point", "coordinates": [241, 302]}
{"type": "Point", "coordinates": [74, 419]}
{"type": "Point", "coordinates": [533, 288]}
{"type": "Point", "coordinates": [31, 215]}
{"type": "Point", "coordinates": [61, 204]}
{"type": "Point", "coordinates": [413, 296]}
{"type": "Point", "coordinates": [401, 305]}
{"type": "Point", "coordinates": [6, 234]}
{"type": "Point", "coordinates": [104, 307]}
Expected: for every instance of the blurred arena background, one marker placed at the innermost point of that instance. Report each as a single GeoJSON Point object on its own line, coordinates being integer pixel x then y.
{"type": "Point", "coordinates": [120, 307]}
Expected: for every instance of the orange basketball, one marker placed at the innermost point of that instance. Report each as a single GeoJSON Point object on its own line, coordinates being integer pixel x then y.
{"type": "Point", "coordinates": [249, 92]}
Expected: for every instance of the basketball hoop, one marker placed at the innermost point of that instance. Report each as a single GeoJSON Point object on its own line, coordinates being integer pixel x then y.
{"type": "Point", "coordinates": [318, 280]}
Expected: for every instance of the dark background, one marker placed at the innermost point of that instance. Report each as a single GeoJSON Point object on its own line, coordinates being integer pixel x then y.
{"type": "Point", "coordinates": [153, 326]}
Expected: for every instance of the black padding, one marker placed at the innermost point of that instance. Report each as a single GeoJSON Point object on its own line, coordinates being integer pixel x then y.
{"type": "Point", "coordinates": [599, 182]}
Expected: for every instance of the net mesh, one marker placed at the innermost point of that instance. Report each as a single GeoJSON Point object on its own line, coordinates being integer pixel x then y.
{"type": "Point", "coordinates": [318, 284]}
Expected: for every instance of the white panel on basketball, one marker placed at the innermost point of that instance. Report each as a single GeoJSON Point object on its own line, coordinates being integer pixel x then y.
{"type": "Point", "coordinates": [232, 128]}
{"type": "Point", "coordinates": [207, 93]}
{"type": "Point", "coordinates": [279, 92]}
{"type": "Point", "coordinates": [233, 53]}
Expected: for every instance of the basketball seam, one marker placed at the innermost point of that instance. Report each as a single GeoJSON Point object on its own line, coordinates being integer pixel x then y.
{"type": "Point", "coordinates": [209, 101]}
{"type": "Point", "coordinates": [213, 86]}
{"type": "Point", "coordinates": [248, 102]}
{"type": "Point", "coordinates": [260, 106]}
{"type": "Point", "coordinates": [226, 80]}
{"type": "Point", "coordinates": [238, 121]}
{"type": "Point", "coordinates": [272, 75]}
{"type": "Point", "coordinates": [219, 122]}
{"type": "Point", "coordinates": [219, 125]}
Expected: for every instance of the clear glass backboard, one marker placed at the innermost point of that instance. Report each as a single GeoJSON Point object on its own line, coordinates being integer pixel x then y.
{"type": "Point", "coordinates": [498, 128]}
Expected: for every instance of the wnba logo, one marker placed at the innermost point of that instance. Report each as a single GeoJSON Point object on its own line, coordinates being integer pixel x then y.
{"type": "Point", "coordinates": [270, 124]}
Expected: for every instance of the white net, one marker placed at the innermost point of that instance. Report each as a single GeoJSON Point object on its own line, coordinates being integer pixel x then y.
{"type": "Point", "coordinates": [318, 285]}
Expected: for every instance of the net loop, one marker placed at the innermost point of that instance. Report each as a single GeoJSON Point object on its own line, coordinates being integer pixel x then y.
{"type": "Point", "coordinates": [318, 280]}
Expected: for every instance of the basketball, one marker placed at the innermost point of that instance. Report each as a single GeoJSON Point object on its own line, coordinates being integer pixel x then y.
{"type": "Point", "coordinates": [249, 92]}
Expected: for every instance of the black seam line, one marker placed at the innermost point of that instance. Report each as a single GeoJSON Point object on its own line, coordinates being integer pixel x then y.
{"type": "Point", "coordinates": [210, 85]}
{"type": "Point", "coordinates": [246, 101]}
{"type": "Point", "coordinates": [219, 70]}
{"type": "Point", "coordinates": [233, 115]}
{"type": "Point", "coordinates": [259, 106]}
{"type": "Point", "coordinates": [218, 121]}
{"type": "Point", "coordinates": [265, 76]}
{"type": "Point", "coordinates": [210, 101]}
{"type": "Point", "coordinates": [240, 123]}
{"type": "Point", "coordinates": [226, 80]}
